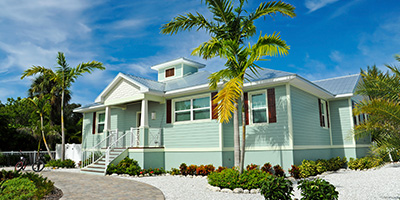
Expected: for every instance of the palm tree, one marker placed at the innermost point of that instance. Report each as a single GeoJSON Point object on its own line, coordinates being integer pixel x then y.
{"type": "Point", "coordinates": [42, 106]}
{"type": "Point", "coordinates": [229, 29]}
{"type": "Point", "coordinates": [64, 76]}
{"type": "Point", "coordinates": [382, 107]}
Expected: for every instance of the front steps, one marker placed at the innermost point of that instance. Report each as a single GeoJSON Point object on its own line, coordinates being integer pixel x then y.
{"type": "Point", "coordinates": [99, 167]}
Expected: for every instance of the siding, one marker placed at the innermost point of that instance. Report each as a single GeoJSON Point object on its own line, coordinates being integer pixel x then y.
{"type": "Point", "coordinates": [273, 134]}
{"type": "Point", "coordinates": [188, 69]}
{"type": "Point", "coordinates": [122, 90]}
{"type": "Point", "coordinates": [306, 124]}
{"type": "Point", "coordinates": [88, 138]}
{"type": "Point", "coordinates": [341, 122]}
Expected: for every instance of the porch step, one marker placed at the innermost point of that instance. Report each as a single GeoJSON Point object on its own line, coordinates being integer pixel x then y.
{"type": "Point", "coordinates": [99, 167]}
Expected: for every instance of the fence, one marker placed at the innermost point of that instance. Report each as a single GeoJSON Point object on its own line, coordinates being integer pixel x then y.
{"type": "Point", "coordinates": [10, 158]}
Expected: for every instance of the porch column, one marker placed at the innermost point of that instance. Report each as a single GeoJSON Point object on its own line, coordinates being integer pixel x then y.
{"type": "Point", "coordinates": [145, 114]}
{"type": "Point", "coordinates": [107, 120]}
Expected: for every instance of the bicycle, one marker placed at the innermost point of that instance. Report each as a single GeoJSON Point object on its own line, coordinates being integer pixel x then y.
{"type": "Point", "coordinates": [21, 165]}
{"type": "Point", "coordinates": [38, 165]}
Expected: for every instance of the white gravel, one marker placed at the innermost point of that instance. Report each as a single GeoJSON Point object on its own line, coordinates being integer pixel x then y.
{"type": "Point", "coordinates": [381, 183]}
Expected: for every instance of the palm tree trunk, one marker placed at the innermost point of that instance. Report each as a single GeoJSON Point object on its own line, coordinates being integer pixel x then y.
{"type": "Point", "coordinates": [62, 127]}
{"type": "Point", "coordinates": [236, 136]}
{"type": "Point", "coordinates": [44, 138]}
{"type": "Point", "coordinates": [243, 147]}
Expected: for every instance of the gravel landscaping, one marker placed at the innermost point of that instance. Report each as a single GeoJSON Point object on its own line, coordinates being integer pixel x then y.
{"type": "Point", "coordinates": [380, 183]}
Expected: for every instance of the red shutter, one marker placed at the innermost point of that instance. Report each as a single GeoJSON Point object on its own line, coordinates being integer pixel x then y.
{"type": "Point", "coordinates": [214, 113]}
{"type": "Point", "coordinates": [169, 119]}
{"type": "Point", "coordinates": [94, 123]}
{"type": "Point", "coordinates": [246, 107]}
{"type": "Point", "coordinates": [321, 120]}
{"type": "Point", "coordinates": [327, 113]}
{"type": "Point", "coordinates": [271, 105]}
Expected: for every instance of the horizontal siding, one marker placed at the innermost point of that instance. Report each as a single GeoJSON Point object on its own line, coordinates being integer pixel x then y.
{"type": "Point", "coordinates": [273, 134]}
{"type": "Point", "coordinates": [306, 123]}
{"type": "Point", "coordinates": [341, 122]}
{"type": "Point", "coordinates": [89, 139]}
{"type": "Point", "coordinates": [193, 135]}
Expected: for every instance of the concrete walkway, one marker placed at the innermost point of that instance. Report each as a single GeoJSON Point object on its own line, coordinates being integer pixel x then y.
{"type": "Point", "coordinates": [86, 186]}
{"type": "Point", "coordinates": [75, 185]}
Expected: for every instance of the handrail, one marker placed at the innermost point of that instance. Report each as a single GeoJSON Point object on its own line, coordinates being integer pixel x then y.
{"type": "Point", "coordinates": [94, 153]}
{"type": "Point", "coordinates": [111, 147]}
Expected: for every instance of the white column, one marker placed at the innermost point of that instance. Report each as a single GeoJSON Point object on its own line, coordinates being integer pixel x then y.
{"type": "Point", "coordinates": [107, 120]}
{"type": "Point", "coordinates": [145, 114]}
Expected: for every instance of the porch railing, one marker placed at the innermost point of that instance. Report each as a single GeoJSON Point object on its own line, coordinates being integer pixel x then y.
{"type": "Point", "coordinates": [95, 153]}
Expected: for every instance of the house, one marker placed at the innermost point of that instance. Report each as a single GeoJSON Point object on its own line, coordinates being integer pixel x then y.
{"type": "Point", "coordinates": [167, 122]}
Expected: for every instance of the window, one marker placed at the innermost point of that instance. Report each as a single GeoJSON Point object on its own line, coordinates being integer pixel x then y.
{"type": "Point", "coordinates": [358, 119]}
{"type": "Point", "coordinates": [100, 122]}
{"type": "Point", "coordinates": [169, 72]}
{"type": "Point", "coordinates": [323, 113]}
{"type": "Point", "coordinates": [192, 109]}
{"type": "Point", "coordinates": [258, 108]}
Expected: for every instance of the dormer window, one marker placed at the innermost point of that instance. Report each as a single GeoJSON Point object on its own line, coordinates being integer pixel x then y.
{"type": "Point", "coordinates": [169, 72]}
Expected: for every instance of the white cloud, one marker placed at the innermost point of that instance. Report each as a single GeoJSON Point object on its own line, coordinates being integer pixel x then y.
{"type": "Point", "coordinates": [313, 5]}
{"type": "Point", "coordinates": [336, 56]}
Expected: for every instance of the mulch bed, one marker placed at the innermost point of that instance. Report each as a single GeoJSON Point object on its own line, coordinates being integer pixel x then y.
{"type": "Point", "coordinates": [55, 194]}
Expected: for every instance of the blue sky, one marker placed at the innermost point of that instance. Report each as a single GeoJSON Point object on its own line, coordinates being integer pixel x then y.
{"type": "Point", "coordinates": [328, 38]}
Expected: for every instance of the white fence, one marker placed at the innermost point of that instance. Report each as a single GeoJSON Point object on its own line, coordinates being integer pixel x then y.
{"type": "Point", "coordinates": [11, 158]}
{"type": "Point", "coordinates": [72, 151]}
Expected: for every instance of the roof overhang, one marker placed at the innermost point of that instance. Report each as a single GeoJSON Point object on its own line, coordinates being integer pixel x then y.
{"type": "Point", "coordinates": [110, 87]}
{"type": "Point", "coordinates": [178, 61]}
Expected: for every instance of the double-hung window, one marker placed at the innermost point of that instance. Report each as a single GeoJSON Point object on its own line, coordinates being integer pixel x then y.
{"type": "Point", "coordinates": [258, 108]}
{"type": "Point", "coordinates": [192, 109]}
{"type": "Point", "coordinates": [100, 122]}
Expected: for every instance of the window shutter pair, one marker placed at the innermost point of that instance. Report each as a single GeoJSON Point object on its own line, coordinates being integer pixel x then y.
{"type": "Point", "coordinates": [271, 106]}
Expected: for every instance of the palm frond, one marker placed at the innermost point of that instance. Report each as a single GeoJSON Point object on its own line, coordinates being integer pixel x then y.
{"type": "Point", "coordinates": [273, 7]}
{"type": "Point", "coordinates": [226, 99]}
{"type": "Point", "coordinates": [186, 22]}
{"type": "Point", "coordinates": [37, 70]}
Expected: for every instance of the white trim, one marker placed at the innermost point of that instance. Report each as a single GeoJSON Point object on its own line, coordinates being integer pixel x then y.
{"type": "Point", "coordinates": [192, 149]}
{"type": "Point", "coordinates": [351, 120]}
{"type": "Point", "coordinates": [90, 109]}
{"type": "Point", "coordinates": [330, 122]}
{"type": "Point", "coordinates": [178, 61]}
{"type": "Point", "coordinates": [221, 137]}
{"type": "Point", "coordinates": [344, 95]}
{"type": "Point", "coordinates": [290, 117]}
{"type": "Point", "coordinates": [269, 148]}
{"type": "Point", "coordinates": [142, 150]}
{"type": "Point", "coordinates": [97, 122]}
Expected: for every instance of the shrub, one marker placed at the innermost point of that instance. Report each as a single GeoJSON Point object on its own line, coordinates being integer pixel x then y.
{"type": "Point", "coordinates": [308, 168]}
{"type": "Point", "coordinates": [191, 170]}
{"type": "Point", "coordinates": [321, 166]}
{"type": "Point", "coordinates": [6, 175]}
{"type": "Point", "coordinates": [276, 188]}
{"type": "Point", "coordinates": [364, 163]}
{"type": "Point", "coordinates": [43, 185]}
{"type": "Point", "coordinates": [68, 163]}
{"type": "Point", "coordinates": [295, 171]}
{"type": "Point", "coordinates": [336, 163]}
{"type": "Point", "coordinates": [220, 168]}
{"type": "Point", "coordinates": [183, 169]}
{"type": "Point", "coordinates": [317, 189]}
{"type": "Point", "coordinates": [126, 166]}
{"type": "Point", "coordinates": [18, 188]}
{"type": "Point", "coordinates": [252, 167]}
{"type": "Point", "coordinates": [209, 168]}
{"type": "Point", "coordinates": [252, 179]}
{"type": "Point", "coordinates": [278, 171]}
{"type": "Point", "coordinates": [174, 171]}
{"type": "Point", "coordinates": [158, 171]}
{"type": "Point", "coordinates": [267, 167]}
{"type": "Point", "coordinates": [227, 178]}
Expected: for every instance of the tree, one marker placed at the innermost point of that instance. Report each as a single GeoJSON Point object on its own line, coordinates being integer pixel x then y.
{"type": "Point", "coordinates": [229, 30]}
{"type": "Point", "coordinates": [42, 107]}
{"type": "Point", "coordinates": [64, 76]}
{"type": "Point", "coordinates": [382, 107]}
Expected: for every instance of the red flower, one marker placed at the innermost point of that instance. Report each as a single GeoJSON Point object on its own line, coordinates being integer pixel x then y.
{"type": "Point", "coordinates": [141, 172]}
{"type": "Point", "coordinates": [151, 172]}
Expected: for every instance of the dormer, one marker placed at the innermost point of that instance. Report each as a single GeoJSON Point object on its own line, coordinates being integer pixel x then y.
{"type": "Point", "coordinates": [176, 69]}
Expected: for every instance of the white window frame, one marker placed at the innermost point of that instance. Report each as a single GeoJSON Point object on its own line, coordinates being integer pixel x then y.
{"type": "Point", "coordinates": [98, 123]}
{"type": "Point", "coordinates": [323, 113]}
{"type": "Point", "coordinates": [191, 98]}
{"type": "Point", "coordinates": [250, 106]}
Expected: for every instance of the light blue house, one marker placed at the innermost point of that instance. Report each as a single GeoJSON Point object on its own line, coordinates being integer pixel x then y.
{"type": "Point", "coordinates": [170, 121]}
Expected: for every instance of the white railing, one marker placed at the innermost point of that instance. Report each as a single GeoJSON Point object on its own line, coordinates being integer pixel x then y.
{"type": "Point", "coordinates": [154, 139]}
{"type": "Point", "coordinates": [12, 157]}
{"type": "Point", "coordinates": [120, 142]}
{"type": "Point", "coordinates": [95, 153]}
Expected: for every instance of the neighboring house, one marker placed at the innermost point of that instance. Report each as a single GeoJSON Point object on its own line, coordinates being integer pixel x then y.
{"type": "Point", "coordinates": [170, 121]}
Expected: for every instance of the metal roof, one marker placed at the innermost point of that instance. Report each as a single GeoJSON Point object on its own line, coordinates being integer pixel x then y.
{"type": "Point", "coordinates": [190, 80]}
{"type": "Point", "coordinates": [151, 84]}
{"type": "Point", "coordinates": [265, 73]}
{"type": "Point", "coordinates": [339, 85]}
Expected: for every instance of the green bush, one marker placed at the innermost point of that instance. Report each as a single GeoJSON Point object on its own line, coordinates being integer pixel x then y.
{"type": "Point", "coordinates": [252, 167]}
{"type": "Point", "coordinates": [18, 188]}
{"type": "Point", "coordinates": [295, 171]}
{"type": "Point", "coordinates": [336, 163]}
{"type": "Point", "coordinates": [6, 175]}
{"type": "Point", "coordinates": [308, 168]}
{"type": "Point", "coordinates": [174, 171]}
{"type": "Point", "coordinates": [220, 168]}
{"type": "Point", "coordinates": [68, 163]}
{"type": "Point", "coordinates": [227, 178]}
{"type": "Point", "coordinates": [252, 179]}
{"type": "Point", "coordinates": [125, 166]}
{"type": "Point", "coordinates": [276, 188]}
{"type": "Point", "coordinates": [191, 170]}
{"type": "Point", "coordinates": [278, 171]}
{"type": "Point", "coordinates": [183, 168]}
{"type": "Point", "coordinates": [364, 163]}
{"type": "Point", "coordinates": [267, 167]}
{"type": "Point", "coordinates": [317, 189]}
